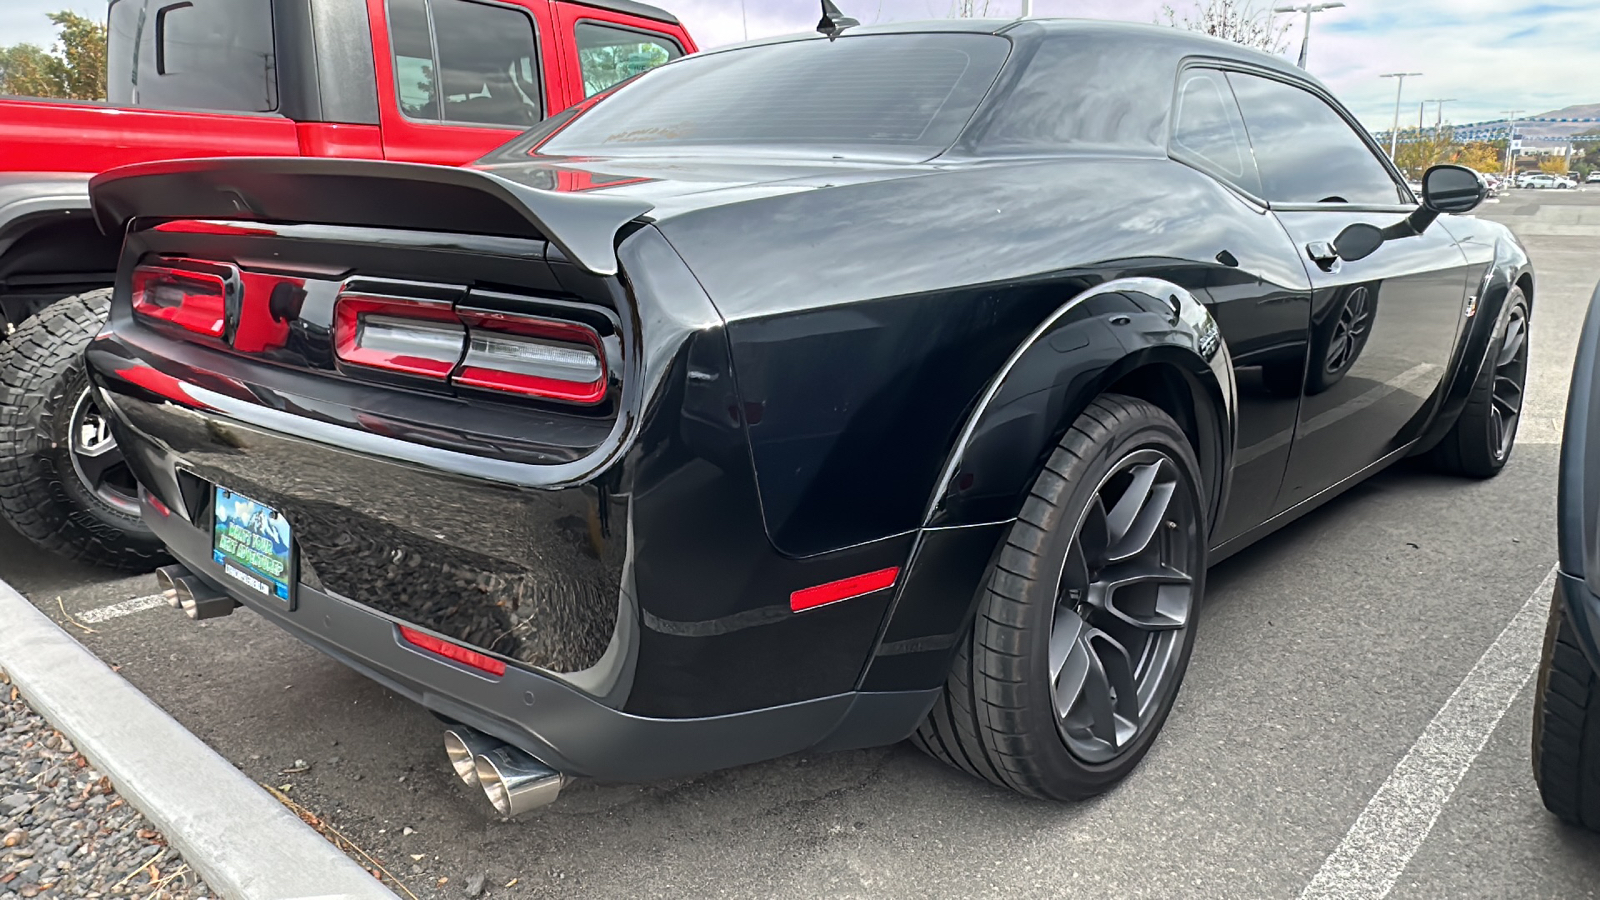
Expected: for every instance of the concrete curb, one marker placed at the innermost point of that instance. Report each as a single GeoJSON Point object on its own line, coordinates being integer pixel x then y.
{"type": "Point", "coordinates": [244, 843]}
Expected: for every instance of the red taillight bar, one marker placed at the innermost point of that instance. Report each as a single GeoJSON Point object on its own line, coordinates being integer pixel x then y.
{"type": "Point", "coordinates": [193, 301]}
{"type": "Point", "coordinates": [843, 589]}
{"type": "Point", "coordinates": [534, 357]}
{"type": "Point", "coordinates": [456, 652]}
{"type": "Point", "coordinates": [415, 337]}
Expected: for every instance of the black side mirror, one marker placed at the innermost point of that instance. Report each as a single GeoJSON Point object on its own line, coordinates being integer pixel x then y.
{"type": "Point", "coordinates": [1358, 241]}
{"type": "Point", "coordinates": [1453, 189]}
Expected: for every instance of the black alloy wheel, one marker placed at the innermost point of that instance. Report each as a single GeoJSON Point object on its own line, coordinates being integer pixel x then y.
{"type": "Point", "coordinates": [1087, 619]}
{"type": "Point", "coordinates": [1510, 374]}
{"type": "Point", "coordinates": [97, 460]}
{"type": "Point", "coordinates": [1126, 594]}
{"type": "Point", "coordinates": [1482, 439]}
{"type": "Point", "coordinates": [1349, 332]}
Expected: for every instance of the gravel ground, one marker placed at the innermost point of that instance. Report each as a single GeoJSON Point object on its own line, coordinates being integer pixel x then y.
{"type": "Point", "coordinates": [63, 831]}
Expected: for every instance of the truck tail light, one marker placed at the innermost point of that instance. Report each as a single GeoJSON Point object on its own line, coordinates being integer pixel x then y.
{"type": "Point", "coordinates": [533, 357]}
{"type": "Point", "coordinates": [413, 337]}
{"type": "Point", "coordinates": [193, 301]}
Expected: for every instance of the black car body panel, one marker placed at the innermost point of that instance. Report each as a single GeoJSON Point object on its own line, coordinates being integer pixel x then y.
{"type": "Point", "coordinates": [1578, 498]}
{"type": "Point", "coordinates": [818, 366]}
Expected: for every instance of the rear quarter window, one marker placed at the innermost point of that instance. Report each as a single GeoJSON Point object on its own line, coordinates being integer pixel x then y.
{"type": "Point", "coordinates": [192, 54]}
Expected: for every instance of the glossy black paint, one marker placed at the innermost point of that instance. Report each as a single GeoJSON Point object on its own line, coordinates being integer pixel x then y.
{"type": "Point", "coordinates": [822, 367]}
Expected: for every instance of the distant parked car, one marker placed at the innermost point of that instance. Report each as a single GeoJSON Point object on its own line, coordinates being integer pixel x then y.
{"type": "Point", "coordinates": [1549, 181]}
{"type": "Point", "coordinates": [1594, 177]}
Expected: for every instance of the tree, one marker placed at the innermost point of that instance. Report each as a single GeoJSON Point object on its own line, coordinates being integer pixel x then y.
{"type": "Point", "coordinates": [969, 9]}
{"type": "Point", "coordinates": [73, 69]}
{"type": "Point", "coordinates": [1420, 149]}
{"type": "Point", "coordinates": [1481, 156]}
{"type": "Point", "coordinates": [1240, 21]}
{"type": "Point", "coordinates": [1553, 165]}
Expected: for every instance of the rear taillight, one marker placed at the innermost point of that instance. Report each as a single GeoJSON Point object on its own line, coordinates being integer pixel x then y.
{"type": "Point", "coordinates": [413, 337]}
{"type": "Point", "coordinates": [193, 301]}
{"type": "Point", "coordinates": [505, 352]}
{"type": "Point", "coordinates": [533, 357]}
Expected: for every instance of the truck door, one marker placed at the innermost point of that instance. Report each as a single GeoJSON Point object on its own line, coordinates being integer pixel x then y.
{"type": "Point", "coordinates": [457, 78]}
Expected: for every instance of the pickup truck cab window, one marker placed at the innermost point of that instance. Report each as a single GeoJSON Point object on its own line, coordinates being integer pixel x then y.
{"type": "Point", "coordinates": [608, 54]}
{"type": "Point", "coordinates": [480, 60]}
{"type": "Point", "coordinates": [192, 54]}
{"type": "Point", "coordinates": [1307, 152]}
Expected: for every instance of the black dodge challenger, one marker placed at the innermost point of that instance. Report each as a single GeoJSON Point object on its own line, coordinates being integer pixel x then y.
{"type": "Point", "coordinates": [814, 393]}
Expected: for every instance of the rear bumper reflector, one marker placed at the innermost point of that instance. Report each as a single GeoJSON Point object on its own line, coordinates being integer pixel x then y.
{"type": "Point", "coordinates": [454, 652]}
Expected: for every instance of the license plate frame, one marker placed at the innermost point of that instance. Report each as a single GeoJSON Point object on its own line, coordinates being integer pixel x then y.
{"type": "Point", "coordinates": [253, 544]}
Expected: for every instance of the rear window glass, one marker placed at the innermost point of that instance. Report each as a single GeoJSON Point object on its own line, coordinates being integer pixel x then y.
{"type": "Point", "coordinates": [487, 54]}
{"type": "Point", "coordinates": [899, 94]}
{"type": "Point", "coordinates": [192, 54]}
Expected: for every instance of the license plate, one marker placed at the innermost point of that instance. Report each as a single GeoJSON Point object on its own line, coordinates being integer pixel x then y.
{"type": "Point", "coordinates": [252, 543]}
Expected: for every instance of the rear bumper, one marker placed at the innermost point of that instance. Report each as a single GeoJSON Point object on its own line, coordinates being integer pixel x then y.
{"type": "Point", "coordinates": [561, 725]}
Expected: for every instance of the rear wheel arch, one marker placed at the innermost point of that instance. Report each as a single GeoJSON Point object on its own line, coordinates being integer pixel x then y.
{"type": "Point", "coordinates": [1173, 358]}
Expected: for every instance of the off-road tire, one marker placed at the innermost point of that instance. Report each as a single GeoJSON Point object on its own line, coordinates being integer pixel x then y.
{"type": "Point", "coordinates": [1468, 448]}
{"type": "Point", "coordinates": [1566, 726]}
{"type": "Point", "coordinates": [989, 722]}
{"type": "Point", "coordinates": [41, 377]}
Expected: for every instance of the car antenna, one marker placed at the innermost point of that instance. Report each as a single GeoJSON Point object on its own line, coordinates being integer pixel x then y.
{"type": "Point", "coordinates": [833, 21]}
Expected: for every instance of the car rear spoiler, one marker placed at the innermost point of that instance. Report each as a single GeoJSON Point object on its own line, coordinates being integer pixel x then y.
{"type": "Point", "coordinates": [364, 192]}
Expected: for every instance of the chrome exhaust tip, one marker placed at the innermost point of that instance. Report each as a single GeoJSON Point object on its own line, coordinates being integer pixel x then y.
{"type": "Point", "coordinates": [167, 578]}
{"type": "Point", "coordinates": [198, 600]}
{"type": "Point", "coordinates": [463, 746]}
{"type": "Point", "coordinates": [515, 782]}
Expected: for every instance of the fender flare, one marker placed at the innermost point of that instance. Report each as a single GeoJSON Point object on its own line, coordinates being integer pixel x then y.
{"type": "Point", "coordinates": [28, 200]}
{"type": "Point", "coordinates": [1086, 346]}
{"type": "Point", "coordinates": [1509, 268]}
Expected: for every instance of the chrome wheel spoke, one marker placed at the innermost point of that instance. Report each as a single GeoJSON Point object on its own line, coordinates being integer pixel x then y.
{"type": "Point", "coordinates": [1069, 659]}
{"type": "Point", "coordinates": [1516, 335]}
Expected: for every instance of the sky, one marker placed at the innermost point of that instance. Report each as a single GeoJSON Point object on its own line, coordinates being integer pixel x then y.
{"type": "Point", "coordinates": [1485, 56]}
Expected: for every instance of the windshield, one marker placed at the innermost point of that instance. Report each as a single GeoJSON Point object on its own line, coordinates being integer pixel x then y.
{"type": "Point", "coordinates": [902, 95]}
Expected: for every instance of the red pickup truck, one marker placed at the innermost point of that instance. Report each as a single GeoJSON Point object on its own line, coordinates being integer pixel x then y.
{"type": "Point", "coordinates": [425, 81]}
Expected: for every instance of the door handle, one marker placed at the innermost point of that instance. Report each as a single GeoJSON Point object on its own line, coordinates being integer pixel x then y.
{"type": "Point", "coordinates": [1323, 254]}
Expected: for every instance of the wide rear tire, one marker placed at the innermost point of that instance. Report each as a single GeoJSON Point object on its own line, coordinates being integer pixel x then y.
{"type": "Point", "coordinates": [1087, 618]}
{"type": "Point", "coordinates": [59, 490]}
{"type": "Point", "coordinates": [1566, 726]}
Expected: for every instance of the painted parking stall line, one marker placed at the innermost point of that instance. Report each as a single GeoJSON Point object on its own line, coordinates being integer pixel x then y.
{"type": "Point", "coordinates": [118, 610]}
{"type": "Point", "coordinates": [1398, 818]}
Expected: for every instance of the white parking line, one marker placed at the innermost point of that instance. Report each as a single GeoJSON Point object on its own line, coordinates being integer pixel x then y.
{"type": "Point", "coordinates": [1399, 816]}
{"type": "Point", "coordinates": [118, 610]}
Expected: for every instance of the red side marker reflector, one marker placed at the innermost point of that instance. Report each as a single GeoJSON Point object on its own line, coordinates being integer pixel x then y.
{"type": "Point", "coordinates": [843, 589]}
{"type": "Point", "coordinates": [453, 651]}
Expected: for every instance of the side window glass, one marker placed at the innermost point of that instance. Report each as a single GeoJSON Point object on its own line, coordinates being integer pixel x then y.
{"type": "Point", "coordinates": [609, 55]}
{"type": "Point", "coordinates": [1209, 132]}
{"type": "Point", "coordinates": [458, 61]}
{"type": "Point", "coordinates": [1306, 151]}
{"type": "Point", "coordinates": [192, 54]}
{"type": "Point", "coordinates": [413, 58]}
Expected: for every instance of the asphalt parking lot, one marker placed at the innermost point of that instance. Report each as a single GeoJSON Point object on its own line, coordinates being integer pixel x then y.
{"type": "Point", "coordinates": [1348, 671]}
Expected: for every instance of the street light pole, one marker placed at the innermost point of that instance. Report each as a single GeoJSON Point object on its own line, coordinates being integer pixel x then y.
{"type": "Point", "coordinates": [1394, 133]}
{"type": "Point", "coordinates": [1511, 140]}
{"type": "Point", "coordinates": [1027, 8]}
{"type": "Point", "coordinates": [1438, 124]}
{"type": "Point", "coordinates": [1308, 9]}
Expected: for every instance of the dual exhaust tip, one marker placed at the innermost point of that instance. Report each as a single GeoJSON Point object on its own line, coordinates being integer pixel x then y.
{"type": "Point", "coordinates": [513, 781]}
{"type": "Point", "coordinates": [184, 590]}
